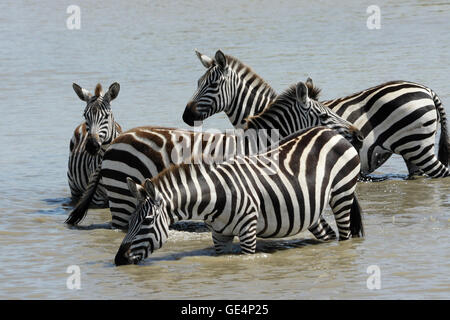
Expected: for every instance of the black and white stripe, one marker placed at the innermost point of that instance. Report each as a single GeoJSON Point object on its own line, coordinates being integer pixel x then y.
{"type": "Point", "coordinates": [230, 86]}
{"type": "Point", "coordinates": [294, 110]}
{"type": "Point", "coordinates": [396, 117]}
{"type": "Point", "coordinates": [91, 139]}
{"type": "Point", "coordinates": [240, 197]}
{"type": "Point", "coordinates": [144, 152]}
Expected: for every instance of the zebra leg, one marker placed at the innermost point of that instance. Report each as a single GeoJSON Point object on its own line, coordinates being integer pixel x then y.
{"type": "Point", "coordinates": [413, 170]}
{"type": "Point", "coordinates": [322, 230]}
{"type": "Point", "coordinates": [427, 163]}
{"type": "Point", "coordinates": [221, 241]}
{"type": "Point", "coordinates": [247, 236]}
{"type": "Point", "coordinates": [341, 204]}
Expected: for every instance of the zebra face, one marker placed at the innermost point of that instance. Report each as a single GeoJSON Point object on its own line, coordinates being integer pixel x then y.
{"type": "Point", "coordinates": [213, 93]}
{"type": "Point", "coordinates": [98, 115]}
{"type": "Point", "coordinates": [318, 115]}
{"type": "Point", "coordinates": [142, 236]}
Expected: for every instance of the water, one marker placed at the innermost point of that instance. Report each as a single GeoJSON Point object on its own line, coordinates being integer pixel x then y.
{"type": "Point", "coordinates": [148, 47]}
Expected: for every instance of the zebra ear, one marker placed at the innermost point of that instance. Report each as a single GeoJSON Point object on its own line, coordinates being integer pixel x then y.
{"type": "Point", "coordinates": [221, 60]}
{"type": "Point", "coordinates": [206, 61]}
{"type": "Point", "coordinates": [112, 92]}
{"type": "Point", "coordinates": [309, 82]}
{"type": "Point", "coordinates": [83, 94]}
{"type": "Point", "coordinates": [151, 191]}
{"type": "Point", "coordinates": [136, 190]}
{"type": "Point", "coordinates": [302, 93]}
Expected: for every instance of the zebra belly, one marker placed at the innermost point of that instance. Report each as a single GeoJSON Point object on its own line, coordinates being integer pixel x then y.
{"type": "Point", "coordinates": [274, 227]}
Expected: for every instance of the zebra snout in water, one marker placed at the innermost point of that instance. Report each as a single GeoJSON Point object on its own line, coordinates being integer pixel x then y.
{"type": "Point", "coordinates": [122, 256]}
{"type": "Point", "coordinates": [92, 145]}
{"type": "Point", "coordinates": [191, 115]}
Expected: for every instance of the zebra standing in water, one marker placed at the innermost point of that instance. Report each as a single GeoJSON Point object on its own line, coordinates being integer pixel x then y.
{"type": "Point", "coordinates": [91, 139]}
{"type": "Point", "coordinates": [396, 117]}
{"type": "Point", "coordinates": [143, 152]}
{"type": "Point", "coordinates": [240, 197]}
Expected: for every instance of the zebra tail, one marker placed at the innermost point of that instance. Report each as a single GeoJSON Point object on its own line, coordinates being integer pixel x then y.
{"type": "Point", "coordinates": [82, 206]}
{"type": "Point", "coordinates": [356, 223]}
{"type": "Point", "coordinates": [444, 140]}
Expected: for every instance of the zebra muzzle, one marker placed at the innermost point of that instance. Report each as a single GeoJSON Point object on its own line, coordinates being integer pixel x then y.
{"type": "Point", "coordinates": [191, 116]}
{"type": "Point", "coordinates": [92, 145]}
{"type": "Point", "coordinates": [122, 256]}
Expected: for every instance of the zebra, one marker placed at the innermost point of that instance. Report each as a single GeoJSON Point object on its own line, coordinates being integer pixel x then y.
{"type": "Point", "coordinates": [398, 117]}
{"type": "Point", "coordinates": [395, 117]}
{"type": "Point", "coordinates": [143, 152]}
{"type": "Point", "coordinates": [229, 86]}
{"type": "Point", "coordinates": [294, 110]}
{"type": "Point", "coordinates": [91, 139]}
{"type": "Point", "coordinates": [240, 198]}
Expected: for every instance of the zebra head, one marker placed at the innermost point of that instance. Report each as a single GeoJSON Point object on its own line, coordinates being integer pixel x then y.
{"type": "Point", "coordinates": [98, 116]}
{"type": "Point", "coordinates": [148, 227]}
{"type": "Point", "coordinates": [318, 115]}
{"type": "Point", "coordinates": [214, 93]}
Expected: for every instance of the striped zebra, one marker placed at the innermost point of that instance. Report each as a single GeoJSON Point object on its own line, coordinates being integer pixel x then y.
{"type": "Point", "coordinates": [229, 86]}
{"type": "Point", "coordinates": [294, 110]}
{"type": "Point", "coordinates": [91, 139]}
{"type": "Point", "coordinates": [241, 198]}
{"type": "Point", "coordinates": [396, 117]}
{"type": "Point", "coordinates": [144, 152]}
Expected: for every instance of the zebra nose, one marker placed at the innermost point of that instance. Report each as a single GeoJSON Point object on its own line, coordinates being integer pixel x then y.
{"type": "Point", "coordinates": [92, 145]}
{"type": "Point", "coordinates": [191, 115]}
{"type": "Point", "coordinates": [121, 257]}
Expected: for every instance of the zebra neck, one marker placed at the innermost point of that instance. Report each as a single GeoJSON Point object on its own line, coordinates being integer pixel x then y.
{"type": "Point", "coordinates": [251, 97]}
{"type": "Point", "coordinates": [116, 130]}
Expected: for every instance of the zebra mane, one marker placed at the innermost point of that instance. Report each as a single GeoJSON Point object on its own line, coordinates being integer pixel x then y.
{"type": "Point", "coordinates": [289, 95]}
{"type": "Point", "coordinates": [240, 67]}
{"type": "Point", "coordinates": [286, 97]}
{"type": "Point", "coordinates": [186, 167]}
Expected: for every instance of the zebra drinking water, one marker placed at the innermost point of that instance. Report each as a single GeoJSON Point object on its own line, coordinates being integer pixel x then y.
{"type": "Point", "coordinates": [241, 198]}
{"type": "Point", "coordinates": [144, 152]}
{"type": "Point", "coordinates": [91, 139]}
{"type": "Point", "coordinates": [395, 117]}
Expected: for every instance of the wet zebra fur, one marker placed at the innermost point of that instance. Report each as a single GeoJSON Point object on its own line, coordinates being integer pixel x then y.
{"type": "Point", "coordinates": [395, 117]}
{"type": "Point", "coordinates": [143, 152]}
{"type": "Point", "coordinates": [90, 140]}
{"type": "Point", "coordinates": [241, 197]}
